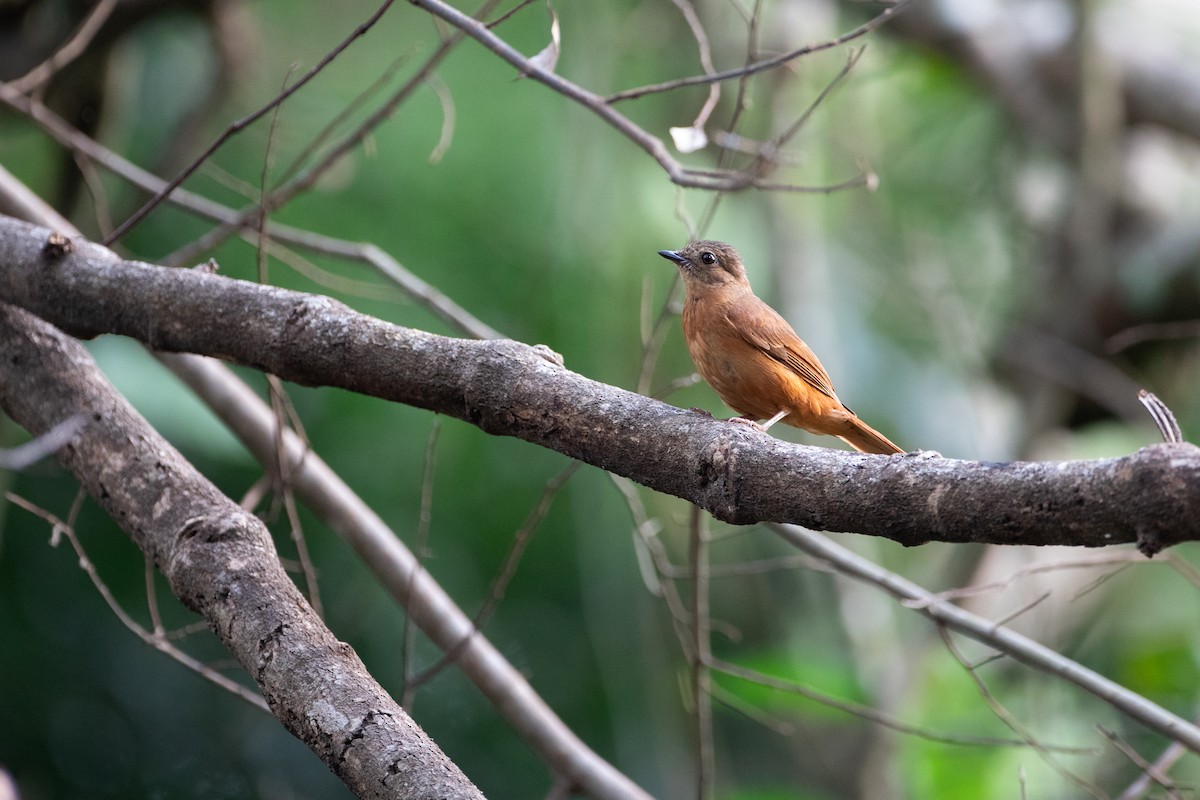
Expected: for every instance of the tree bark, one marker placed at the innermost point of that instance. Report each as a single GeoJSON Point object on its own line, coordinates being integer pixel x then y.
{"type": "Point", "coordinates": [508, 388]}
{"type": "Point", "coordinates": [221, 563]}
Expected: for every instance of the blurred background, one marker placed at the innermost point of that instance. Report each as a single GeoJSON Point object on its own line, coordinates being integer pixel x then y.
{"type": "Point", "coordinates": [1020, 257]}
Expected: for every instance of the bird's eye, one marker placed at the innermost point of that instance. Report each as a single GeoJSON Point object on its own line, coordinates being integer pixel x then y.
{"type": "Point", "coordinates": [708, 258]}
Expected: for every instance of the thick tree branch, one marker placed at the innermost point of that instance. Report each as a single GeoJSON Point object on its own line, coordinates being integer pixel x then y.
{"type": "Point", "coordinates": [507, 388]}
{"type": "Point", "coordinates": [402, 575]}
{"type": "Point", "coordinates": [381, 550]}
{"type": "Point", "coordinates": [219, 560]}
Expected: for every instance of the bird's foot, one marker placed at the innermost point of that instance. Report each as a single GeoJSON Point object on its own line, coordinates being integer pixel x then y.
{"type": "Point", "coordinates": [762, 426]}
{"type": "Point", "coordinates": [753, 423]}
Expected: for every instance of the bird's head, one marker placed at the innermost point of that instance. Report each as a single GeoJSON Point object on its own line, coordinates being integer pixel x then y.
{"type": "Point", "coordinates": [708, 265]}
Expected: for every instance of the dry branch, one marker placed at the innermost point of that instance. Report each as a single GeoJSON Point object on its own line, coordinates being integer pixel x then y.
{"type": "Point", "coordinates": [220, 562]}
{"type": "Point", "coordinates": [508, 388]}
{"type": "Point", "coordinates": [380, 549]}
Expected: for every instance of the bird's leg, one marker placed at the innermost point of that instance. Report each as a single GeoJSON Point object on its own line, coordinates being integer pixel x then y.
{"type": "Point", "coordinates": [782, 413]}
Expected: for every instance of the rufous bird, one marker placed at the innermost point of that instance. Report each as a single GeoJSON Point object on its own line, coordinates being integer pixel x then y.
{"type": "Point", "coordinates": [751, 356]}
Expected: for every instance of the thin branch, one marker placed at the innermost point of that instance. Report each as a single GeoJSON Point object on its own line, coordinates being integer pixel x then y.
{"type": "Point", "coordinates": [705, 50]}
{"type": "Point", "coordinates": [874, 715]}
{"type": "Point", "coordinates": [1009, 719]}
{"type": "Point", "coordinates": [23, 203]}
{"type": "Point", "coordinates": [1148, 769]}
{"type": "Point", "coordinates": [154, 638]}
{"type": "Point", "coordinates": [49, 443]}
{"type": "Point", "coordinates": [306, 178]}
{"type": "Point", "coordinates": [1170, 755]}
{"type": "Point", "coordinates": [1019, 647]}
{"type": "Point", "coordinates": [777, 143]}
{"type": "Point", "coordinates": [646, 541]}
{"type": "Point", "coordinates": [343, 114]}
{"type": "Point", "coordinates": [500, 583]}
{"type": "Point", "coordinates": [701, 656]}
{"type": "Point", "coordinates": [71, 50]}
{"type": "Point", "coordinates": [766, 64]}
{"type": "Point", "coordinates": [244, 122]}
{"type": "Point", "coordinates": [1152, 331]}
{"type": "Point", "coordinates": [420, 545]}
{"type": "Point", "coordinates": [601, 106]}
{"type": "Point", "coordinates": [449, 116]}
{"type": "Point", "coordinates": [1081, 562]}
{"type": "Point", "coordinates": [510, 13]}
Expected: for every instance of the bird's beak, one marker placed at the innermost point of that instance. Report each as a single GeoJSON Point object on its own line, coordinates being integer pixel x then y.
{"type": "Point", "coordinates": [671, 255]}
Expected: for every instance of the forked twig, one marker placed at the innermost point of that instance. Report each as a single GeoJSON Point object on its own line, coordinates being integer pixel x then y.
{"type": "Point", "coordinates": [243, 123]}
{"type": "Point", "coordinates": [155, 639]}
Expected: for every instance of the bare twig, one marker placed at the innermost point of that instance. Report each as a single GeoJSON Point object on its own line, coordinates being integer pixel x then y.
{"type": "Point", "coordinates": [874, 715]}
{"type": "Point", "coordinates": [1019, 647]}
{"type": "Point", "coordinates": [1009, 719]}
{"type": "Point", "coordinates": [420, 545]}
{"type": "Point", "coordinates": [1166, 760]}
{"type": "Point", "coordinates": [701, 656]}
{"type": "Point", "coordinates": [602, 107]}
{"type": "Point", "coordinates": [500, 583]}
{"type": "Point", "coordinates": [507, 15]}
{"type": "Point", "coordinates": [765, 64]}
{"type": "Point", "coordinates": [18, 458]}
{"type": "Point", "coordinates": [304, 179]}
{"type": "Point", "coordinates": [1151, 331]}
{"type": "Point", "coordinates": [1168, 426]}
{"type": "Point", "coordinates": [70, 51]}
{"type": "Point", "coordinates": [155, 638]}
{"type": "Point", "coordinates": [449, 115]}
{"type": "Point", "coordinates": [705, 49]}
{"type": "Point", "coordinates": [23, 203]}
{"type": "Point", "coordinates": [245, 122]}
{"type": "Point", "coordinates": [770, 151]}
{"type": "Point", "coordinates": [1081, 562]}
{"type": "Point", "coordinates": [647, 541]}
{"type": "Point", "coordinates": [1148, 769]}
{"type": "Point", "coordinates": [343, 114]}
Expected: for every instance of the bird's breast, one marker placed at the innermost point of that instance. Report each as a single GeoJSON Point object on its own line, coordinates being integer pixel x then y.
{"type": "Point", "coordinates": [746, 378]}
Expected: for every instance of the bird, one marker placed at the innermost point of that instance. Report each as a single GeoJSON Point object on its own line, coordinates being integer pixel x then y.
{"type": "Point", "coordinates": [753, 358]}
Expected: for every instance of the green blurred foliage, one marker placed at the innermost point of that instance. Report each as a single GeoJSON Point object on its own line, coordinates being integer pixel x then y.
{"type": "Point", "coordinates": [544, 223]}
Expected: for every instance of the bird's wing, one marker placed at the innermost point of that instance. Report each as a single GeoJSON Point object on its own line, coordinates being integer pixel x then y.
{"type": "Point", "coordinates": [762, 327]}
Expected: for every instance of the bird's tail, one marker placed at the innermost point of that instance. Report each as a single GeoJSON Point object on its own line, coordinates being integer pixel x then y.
{"type": "Point", "coordinates": [864, 438]}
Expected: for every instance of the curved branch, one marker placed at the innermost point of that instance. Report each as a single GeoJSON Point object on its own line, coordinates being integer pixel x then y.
{"type": "Point", "coordinates": [221, 563]}
{"type": "Point", "coordinates": [508, 388]}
